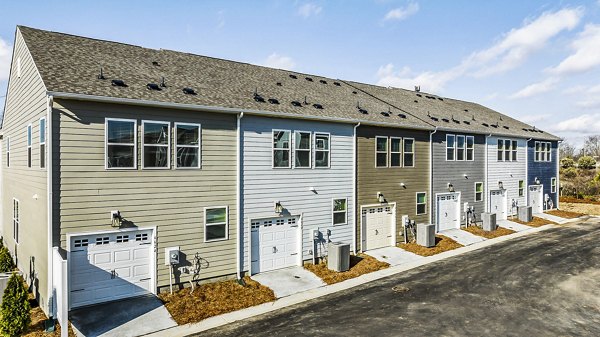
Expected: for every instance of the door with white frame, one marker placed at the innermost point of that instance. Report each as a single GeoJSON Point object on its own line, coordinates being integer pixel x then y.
{"type": "Point", "coordinates": [498, 204]}
{"type": "Point", "coordinates": [274, 243]}
{"type": "Point", "coordinates": [378, 226]}
{"type": "Point", "coordinates": [536, 198]}
{"type": "Point", "coordinates": [448, 211]}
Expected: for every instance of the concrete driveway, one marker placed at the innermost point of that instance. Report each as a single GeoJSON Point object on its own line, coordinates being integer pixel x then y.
{"type": "Point", "coordinates": [542, 284]}
{"type": "Point", "coordinates": [288, 281]}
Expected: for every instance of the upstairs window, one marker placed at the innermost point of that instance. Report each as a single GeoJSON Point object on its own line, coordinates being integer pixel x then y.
{"type": "Point", "coordinates": [187, 145]}
{"type": "Point", "coordinates": [409, 152]}
{"type": "Point", "coordinates": [450, 147]}
{"type": "Point", "coordinates": [29, 145]}
{"type": "Point", "coordinates": [281, 148]}
{"type": "Point", "coordinates": [42, 142]}
{"type": "Point", "coordinates": [543, 151]}
{"type": "Point", "coordinates": [381, 152]}
{"type": "Point", "coordinates": [7, 151]}
{"type": "Point", "coordinates": [395, 152]}
{"type": "Point", "coordinates": [500, 150]}
{"type": "Point", "coordinates": [460, 147]}
{"type": "Point", "coordinates": [514, 151]}
{"type": "Point", "coordinates": [321, 150]}
{"type": "Point", "coordinates": [340, 211]}
{"type": "Point", "coordinates": [478, 191]}
{"type": "Point", "coordinates": [302, 147]}
{"type": "Point", "coordinates": [16, 220]}
{"type": "Point", "coordinates": [538, 148]}
{"type": "Point", "coordinates": [121, 148]}
{"type": "Point", "coordinates": [470, 148]}
{"type": "Point", "coordinates": [156, 144]}
{"type": "Point", "coordinates": [506, 150]}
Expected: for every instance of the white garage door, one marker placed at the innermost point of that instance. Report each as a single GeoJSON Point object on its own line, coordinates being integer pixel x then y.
{"type": "Point", "coordinates": [274, 243]}
{"type": "Point", "coordinates": [110, 266]}
{"type": "Point", "coordinates": [498, 204]}
{"type": "Point", "coordinates": [536, 198]}
{"type": "Point", "coordinates": [448, 211]}
{"type": "Point", "coordinates": [377, 225]}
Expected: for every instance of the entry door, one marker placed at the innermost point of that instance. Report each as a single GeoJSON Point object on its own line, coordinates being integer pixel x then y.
{"type": "Point", "coordinates": [110, 266]}
{"type": "Point", "coordinates": [536, 194]}
{"type": "Point", "coordinates": [448, 211]}
{"type": "Point", "coordinates": [274, 243]}
{"type": "Point", "coordinates": [377, 224]}
{"type": "Point", "coordinates": [498, 204]}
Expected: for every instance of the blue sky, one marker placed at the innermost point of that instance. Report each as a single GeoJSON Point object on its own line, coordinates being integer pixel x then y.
{"type": "Point", "coordinates": [536, 61]}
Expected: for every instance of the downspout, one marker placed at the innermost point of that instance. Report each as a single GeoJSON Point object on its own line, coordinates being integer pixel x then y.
{"type": "Point", "coordinates": [431, 174]}
{"type": "Point", "coordinates": [557, 174]}
{"type": "Point", "coordinates": [240, 217]}
{"type": "Point", "coordinates": [485, 174]}
{"type": "Point", "coordinates": [526, 194]}
{"type": "Point", "coordinates": [49, 167]}
{"type": "Point", "coordinates": [356, 212]}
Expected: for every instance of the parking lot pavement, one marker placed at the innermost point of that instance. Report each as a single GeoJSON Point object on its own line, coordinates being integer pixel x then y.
{"type": "Point", "coordinates": [543, 284]}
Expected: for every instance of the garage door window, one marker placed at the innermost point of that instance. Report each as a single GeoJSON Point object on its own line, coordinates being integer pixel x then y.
{"type": "Point", "coordinates": [120, 143]}
{"type": "Point", "coordinates": [478, 191]}
{"type": "Point", "coordinates": [421, 203]}
{"type": "Point", "coordinates": [281, 148]}
{"type": "Point", "coordinates": [340, 211]}
{"type": "Point", "coordinates": [215, 223]}
{"type": "Point", "coordinates": [155, 143]}
{"type": "Point", "coordinates": [187, 145]}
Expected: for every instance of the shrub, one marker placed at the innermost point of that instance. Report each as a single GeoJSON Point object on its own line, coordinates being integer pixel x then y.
{"type": "Point", "coordinates": [586, 163]}
{"type": "Point", "coordinates": [6, 261]}
{"type": "Point", "coordinates": [570, 172]}
{"type": "Point", "coordinates": [15, 309]}
{"type": "Point", "coordinates": [567, 162]}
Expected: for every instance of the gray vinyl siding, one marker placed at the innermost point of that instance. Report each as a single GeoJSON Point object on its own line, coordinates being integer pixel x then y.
{"type": "Point", "coordinates": [507, 172]}
{"type": "Point", "coordinates": [25, 104]}
{"type": "Point", "coordinates": [453, 172]}
{"type": "Point", "coordinates": [263, 185]}
{"type": "Point", "coordinates": [171, 200]}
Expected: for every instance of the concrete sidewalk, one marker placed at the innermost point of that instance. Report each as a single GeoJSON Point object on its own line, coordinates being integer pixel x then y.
{"type": "Point", "coordinates": [517, 227]}
{"type": "Point", "coordinates": [463, 237]}
{"type": "Point", "coordinates": [553, 218]}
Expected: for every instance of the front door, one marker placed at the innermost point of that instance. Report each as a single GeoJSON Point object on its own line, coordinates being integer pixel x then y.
{"type": "Point", "coordinates": [536, 198]}
{"type": "Point", "coordinates": [498, 204]}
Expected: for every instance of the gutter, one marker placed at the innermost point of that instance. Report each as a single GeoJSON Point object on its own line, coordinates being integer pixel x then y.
{"type": "Point", "coordinates": [526, 194]}
{"type": "Point", "coordinates": [431, 174]}
{"type": "Point", "coordinates": [240, 218]}
{"type": "Point", "coordinates": [354, 184]}
{"type": "Point", "coordinates": [557, 174]}
{"type": "Point", "coordinates": [487, 183]}
{"type": "Point", "coordinates": [49, 166]}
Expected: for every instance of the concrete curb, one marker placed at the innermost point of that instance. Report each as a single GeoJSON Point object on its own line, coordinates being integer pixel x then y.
{"type": "Point", "coordinates": [216, 321]}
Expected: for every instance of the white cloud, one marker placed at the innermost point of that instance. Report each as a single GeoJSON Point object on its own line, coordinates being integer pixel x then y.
{"type": "Point", "coordinates": [586, 123]}
{"type": "Point", "coordinates": [5, 55]}
{"type": "Point", "coordinates": [532, 119]}
{"type": "Point", "coordinates": [309, 9]}
{"type": "Point", "coordinates": [279, 61]}
{"type": "Point", "coordinates": [582, 89]}
{"type": "Point", "coordinates": [402, 13]}
{"type": "Point", "coordinates": [536, 88]}
{"type": "Point", "coordinates": [586, 53]}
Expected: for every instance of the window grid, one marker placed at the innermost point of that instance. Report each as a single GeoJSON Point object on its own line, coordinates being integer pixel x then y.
{"type": "Point", "coordinates": [460, 147]}
{"type": "Point", "coordinates": [543, 151]}
{"type": "Point", "coordinates": [395, 152]}
{"type": "Point", "coordinates": [381, 151]}
{"type": "Point", "coordinates": [521, 188]}
{"type": "Point", "coordinates": [43, 142]}
{"type": "Point", "coordinates": [470, 148]}
{"type": "Point", "coordinates": [7, 151]}
{"type": "Point", "coordinates": [553, 185]}
{"type": "Point", "coordinates": [409, 152]}
{"type": "Point", "coordinates": [507, 150]}
{"type": "Point", "coordinates": [214, 223]}
{"type": "Point", "coordinates": [450, 147]}
{"type": "Point", "coordinates": [16, 220]}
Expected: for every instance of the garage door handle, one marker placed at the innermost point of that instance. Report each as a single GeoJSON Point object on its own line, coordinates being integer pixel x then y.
{"type": "Point", "coordinates": [446, 214]}
{"type": "Point", "coordinates": [376, 232]}
{"type": "Point", "coordinates": [274, 249]}
{"type": "Point", "coordinates": [76, 290]}
{"type": "Point", "coordinates": [145, 243]}
{"type": "Point", "coordinates": [145, 279]}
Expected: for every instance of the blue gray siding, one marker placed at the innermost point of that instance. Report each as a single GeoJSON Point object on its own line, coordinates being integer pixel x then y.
{"type": "Point", "coordinates": [544, 171]}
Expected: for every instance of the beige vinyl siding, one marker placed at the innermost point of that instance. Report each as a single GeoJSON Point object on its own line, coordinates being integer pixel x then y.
{"type": "Point", "coordinates": [25, 104]}
{"type": "Point", "coordinates": [171, 200]}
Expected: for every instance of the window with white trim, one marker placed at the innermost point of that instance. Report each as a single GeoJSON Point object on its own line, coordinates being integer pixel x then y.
{"type": "Point", "coordinates": [409, 152]}
{"type": "Point", "coordinates": [450, 147]}
{"type": "Point", "coordinates": [340, 211]}
{"type": "Point", "coordinates": [460, 147]}
{"type": "Point", "coordinates": [215, 223]}
{"type": "Point", "coordinates": [470, 148]}
{"type": "Point", "coordinates": [553, 185]}
{"type": "Point", "coordinates": [421, 203]}
{"type": "Point", "coordinates": [7, 151]}
{"type": "Point", "coordinates": [302, 149]}
{"type": "Point", "coordinates": [156, 144]}
{"type": "Point", "coordinates": [187, 145]}
{"type": "Point", "coordinates": [500, 150]}
{"type": "Point", "coordinates": [43, 142]}
{"type": "Point", "coordinates": [395, 152]}
{"type": "Point", "coordinates": [29, 145]}
{"type": "Point", "coordinates": [121, 147]}
{"type": "Point", "coordinates": [538, 147]}
{"type": "Point", "coordinates": [514, 150]}
{"type": "Point", "coordinates": [521, 188]}
{"type": "Point", "coordinates": [478, 191]}
{"type": "Point", "coordinates": [16, 220]}
{"type": "Point", "coordinates": [381, 151]}
{"type": "Point", "coordinates": [322, 150]}
{"type": "Point", "coordinates": [543, 151]}
{"type": "Point", "coordinates": [506, 150]}
{"type": "Point", "coordinates": [281, 148]}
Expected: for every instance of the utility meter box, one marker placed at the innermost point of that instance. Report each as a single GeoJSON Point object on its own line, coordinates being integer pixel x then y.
{"type": "Point", "coordinates": [171, 256]}
{"type": "Point", "coordinates": [339, 256]}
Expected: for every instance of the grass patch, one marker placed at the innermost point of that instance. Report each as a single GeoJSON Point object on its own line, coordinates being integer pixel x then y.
{"type": "Point", "coordinates": [536, 222]}
{"type": "Point", "coordinates": [442, 244]}
{"type": "Point", "coordinates": [37, 328]}
{"type": "Point", "coordinates": [213, 299]}
{"type": "Point", "coordinates": [564, 214]}
{"type": "Point", "coordinates": [359, 264]}
{"type": "Point", "coordinates": [500, 231]}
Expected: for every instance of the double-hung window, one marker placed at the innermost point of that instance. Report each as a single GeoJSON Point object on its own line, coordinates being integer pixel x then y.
{"type": "Point", "coordinates": [187, 145]}
{"type": "Point", "coordinates": [381, 151]}
{"type": "Point", "coordinates": [121, 143]}
{"type": "Point", "coordinates": [395, 152]}
{"type": "Point", "coordinates": [470, 147]}
{"type": "Point", "coordinates": [302, 148]}
{"type": "Point", "coordinates": [43, 142]}
{"type": "Point", "coordinates": [450, 147]}
{"type": "Point", "coordinates": [7, 151]}
{"type": "Point", "coordinates": [321, 150]}
{"type": "Point", "coordinates": [553, 185]}
{"type": "Point", "coordinates": [538, 147]}
{"type": "Point", "coordinates": [543, 151]}
{"type": "Point", "coordinates": [281, 148]}
{"type": "Point", "coordinates": [340, 211]}
{"type": "Point", "coordinates": [29, 145]}
{"type": "Point", "coordinates": [155, 144]}
{"type": "Point", "coordinates": [215, 223]}
{"type": "Point", "coordinates": [548, 151]}
{"type": "Point", "coordinates": [478, 191]}
{"type": "Point", "coordinates": [421, 203]}
{"type": "Point", "coordinates": [506, 150]}
{"type": "Point", "coordinates": [409, 152]}
{"type": "Point", "coordinates": [16, 220]}
{"type": "Point", "coordinates": [460, 147]}
{"type": "Point", "coordinates": [521, 188]}
{"type": "Point", "coordinates": [500, 150]}
{"type": "Point", "coordinates": [514, 150]}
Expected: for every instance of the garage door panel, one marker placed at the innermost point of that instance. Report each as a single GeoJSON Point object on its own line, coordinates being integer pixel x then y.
{"type": "Point", "coordinates": [101, 258]}
{"type": "Point", "coordinates": [142, 270]}
{"type": "Point", "coordinates": [141, 253]}
{"type": "Point", "coordinates": [122, 255]}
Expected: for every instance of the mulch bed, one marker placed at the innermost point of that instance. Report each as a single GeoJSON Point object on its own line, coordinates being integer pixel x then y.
{"type": "Point", "coordinates": [564, 214]}
{"type": "Point", "coordinates": [359, 264]}
{"type": "Point", "coordinates": [213, 299]}
{"type": "Point", "coordinates": [442, 244]}
{"type": "Point", "coordinates": [37, 328]}
{"type": "Point", "coordinates": [536, 222]}
{"type": "Point", "coordinates": [500, 231]}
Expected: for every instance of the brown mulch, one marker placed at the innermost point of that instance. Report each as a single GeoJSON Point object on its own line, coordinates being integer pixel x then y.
{"type": "Point", "coordinates": [536, 222]}
{"type": "Point", "coordinates": [573, 200]}
{"type": "Point", "coordinates": [442, 244]}
{"type": "Point", "coordinates": [213, 299]}
{"type": "Point", "coordinates": [359, 264]}
{"type": "Point", "coordinates": [564, 214]}
{"type": "Point", "coordinates": [500, 231]}
{"type": "Point", "coordinates": [36, 328]}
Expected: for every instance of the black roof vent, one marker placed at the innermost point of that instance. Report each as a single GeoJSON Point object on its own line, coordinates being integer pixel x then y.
{"type": "Point", "coordinates": [434, 118]}
{"type": "Point", "coordinates": [273, 101]}
{"type": "Point", "coordinates": [354, 92]}
{"type": "Point", "coordinates": [337, 84]}
{"type": "Point", "coordinates": [439, 98]}
{"type": "Point", "coordinates": [156, 64]}
{"type": "Point", "coordinates": [419, 95]}
{"type": "Point", "coordinates": [318, 106]}
{"type": "Point", "coordinates": [308, 79]}
{"type": "Point", "coordinates": [466, 110]}
{"type": "Point", "coordinates": [467, 122]}
{"type": "Point", "coordinates": [385, 113]}
{"type": "Point", "coordinates": [296, 103]}
{"type": "Point", "coordinates": [485, 124]}
{"type": "Point", "coordinates": [525, 129]}
{"type": "Point", "coordinates": [279, 84]}
{"type": "Point", "coordinates": [416, 101]}
{"type": "Point", "coordinates": [101, 75]}
{"type": "Point", "coordinates": [118, 83]}
{"type": "Point", "coordinates": [322, 81]}
{"type": "Point", "coordinates": [506, 127]}
{"type": "Point", "coordinates": [363, 111]}
{"type": "Point", "coordinates": [189, 91]}
{"type": "Point", "coordinates": [495, 126]}
{"type": "Point", "coordinates": [258, 97]}
{"type": "Point", "coordinates": [446, 120]}
{"type": "Point", "coordinates": [153, 86]}
{"type": "Point", "coordinates": [430, 97]}
{"type": "Point", "coordinates": [293, 76]}
{"type": "Point", "coordinates": [402, 115]}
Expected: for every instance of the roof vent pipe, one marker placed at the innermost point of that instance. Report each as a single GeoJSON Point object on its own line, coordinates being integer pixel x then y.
{"type": "Point", "coordinates": [162, 82]}
{"type": "Point", "coordinates": [417, 88]}
{"type": "Point", "coordinates": [305, 102]}
{"type": "Point", "coordinates": [101, 75]}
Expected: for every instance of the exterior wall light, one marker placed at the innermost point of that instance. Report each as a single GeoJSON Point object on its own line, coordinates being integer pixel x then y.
{"type": "Point", "coordinates": [450, 187]}
{"type": "Point", "coordinates": [500, 185]}
{"type": "Point", "coordinates": [466, 176]}
{"type": "Point", "coordinates": [380, 197]}
{"type": "Point", "coordinates": [278, 207]}
{"type": "Point", "coordinates": [403, 185]}
{"type": "Point", "coordinates": [115, 218]}
{"type": "Point", "coordinates": [537, 181]}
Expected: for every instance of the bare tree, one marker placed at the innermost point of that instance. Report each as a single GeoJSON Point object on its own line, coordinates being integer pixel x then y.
{"type": "Point", "coordinates": [591, 146]}
{"type": "Point", "coordinates": [567, 150]}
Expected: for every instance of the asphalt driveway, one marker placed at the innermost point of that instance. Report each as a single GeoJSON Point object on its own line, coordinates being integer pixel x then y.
{"type": "Point", "coordinates": [544, 284]}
